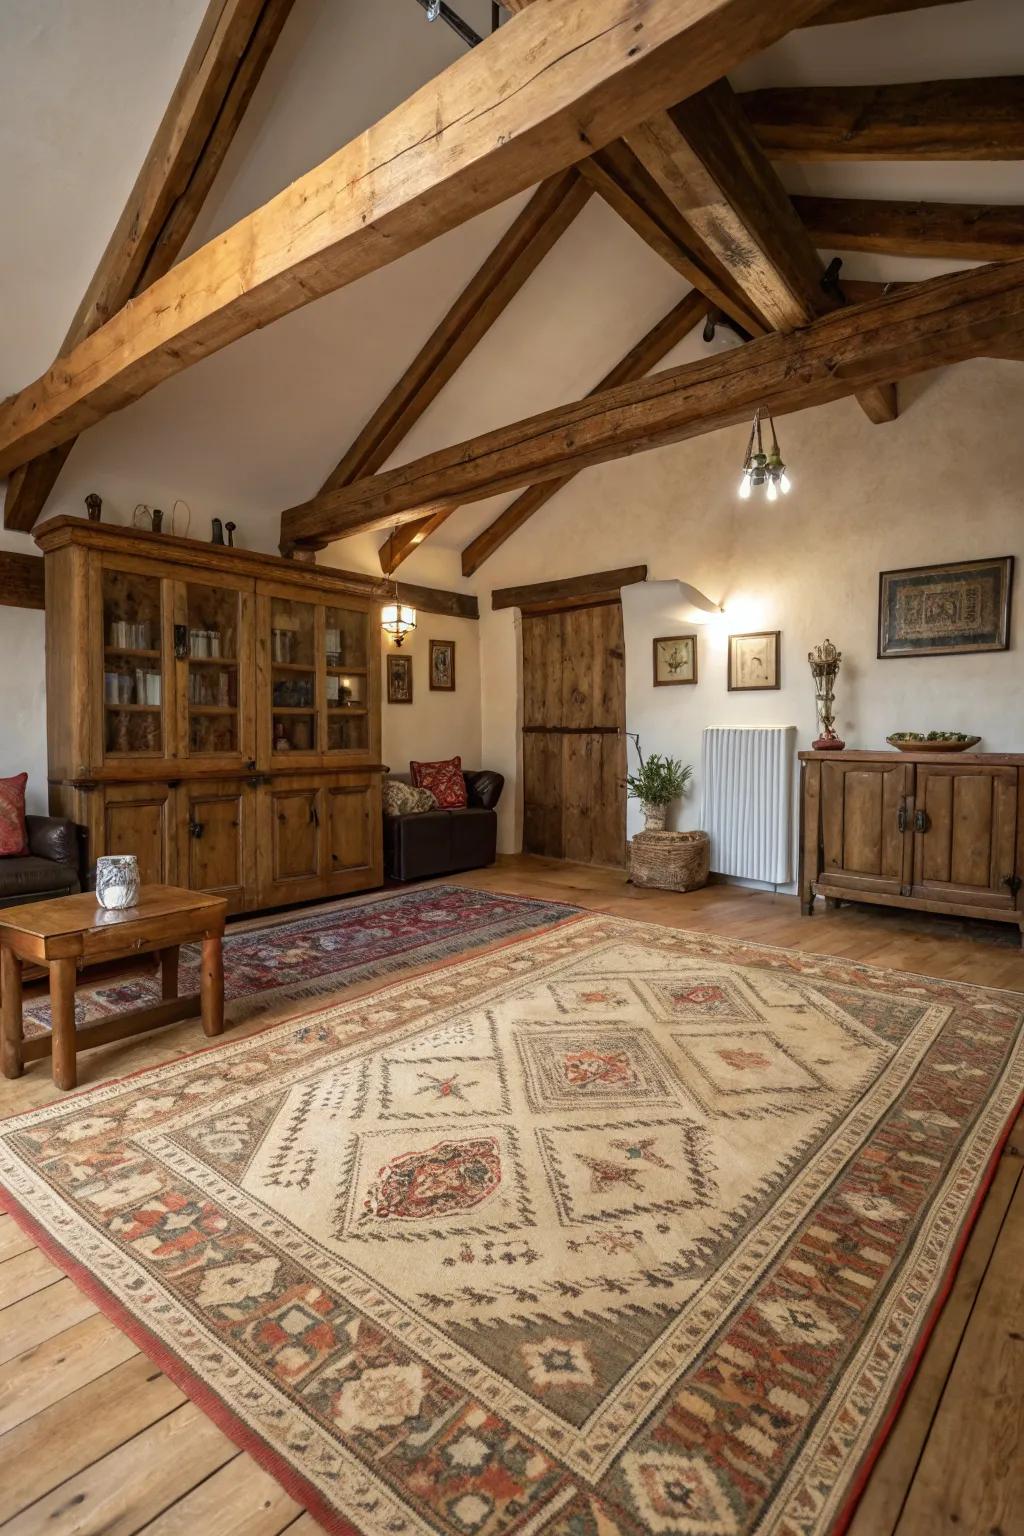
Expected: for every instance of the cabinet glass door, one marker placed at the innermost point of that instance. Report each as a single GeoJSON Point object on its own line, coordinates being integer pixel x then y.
{"type": "Point", "coordinates": [293, 678]}
{"type": "Point", "coordinates": [347, 658]}
{"type": "Point", "coordinates": [214, 624]}
{"type": "Point", "coordinates": [133, 664]}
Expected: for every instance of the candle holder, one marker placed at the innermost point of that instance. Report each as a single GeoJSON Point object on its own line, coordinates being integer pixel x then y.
{"type": "Point", "coordinates": [824, 662]}
{"type": "Point", "coordinates": [117, 881]}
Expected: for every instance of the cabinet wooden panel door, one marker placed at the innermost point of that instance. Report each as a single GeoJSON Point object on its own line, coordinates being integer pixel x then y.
{"type": "Point", "coordinates": [866, 826]}
{"type": "Point", "coordinates": [965, 829]}
{"type": "Point", "coordinates": [215, 839]}
{"type": "Point", "coordinates": [352, 823]}
{"type": "Point", "coordinates": [291, 845]}
{"type": "Point", "coordinates": [140, 819]}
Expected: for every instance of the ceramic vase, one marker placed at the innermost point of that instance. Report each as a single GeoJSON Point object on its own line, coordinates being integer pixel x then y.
{"type": "Point", "coordinates": [117, 881]}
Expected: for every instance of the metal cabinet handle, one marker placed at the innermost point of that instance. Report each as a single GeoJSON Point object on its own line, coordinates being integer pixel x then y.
{"type": "Point", "coordinates": [314, 815]}
{"type": "Point", "coordinates": [195, 828]}
{"type": "Point", "coordinates": [1014, 883]}
{"type": "Point", "coordinates": [901, 818]}
{"type": "Point", "coordinates": [920, 821]}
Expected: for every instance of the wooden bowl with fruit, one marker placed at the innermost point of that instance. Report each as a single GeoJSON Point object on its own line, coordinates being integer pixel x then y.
{"type": "Point", "coordinates": [934, 741]}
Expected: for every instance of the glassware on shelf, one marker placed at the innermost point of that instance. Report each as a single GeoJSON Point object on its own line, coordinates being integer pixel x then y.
{"type": "Point", "coordinates": [129, 635]}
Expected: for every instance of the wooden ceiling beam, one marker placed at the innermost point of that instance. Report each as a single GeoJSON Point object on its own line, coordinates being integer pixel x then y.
{"type": "Point", "coordinates": [959, 231]}
{"type": "Point", "coordinates": [570, 591]}
{"type": "Point", "coordinates": [923, 326]}
{"type": "Point", "coordinates": [537, 96]}
{"type": "Point", "coordinates": [517, 254]}
{"type": "Point", "coordinates": [928, 120]}
{"type": "Point", "coordinates": [233, 43]}
{"type": "Point", "coordinates": [638, 362]}
{"type": "Point", "coordinates": [704, 156]}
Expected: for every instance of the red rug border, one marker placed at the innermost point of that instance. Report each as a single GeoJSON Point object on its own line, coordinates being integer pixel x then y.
{"type": "Point", "coordinates": [292, 1482]}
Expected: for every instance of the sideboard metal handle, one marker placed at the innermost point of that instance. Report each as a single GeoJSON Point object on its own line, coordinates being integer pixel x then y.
{"type": "Point", "coordinates": [195, 828]}
{"type": "Point", "coordinates": [1014, 883]}
{"type": "Point", "coordinates": [901, 818]}
{"type": "Point", "coordinates": [920, 821]}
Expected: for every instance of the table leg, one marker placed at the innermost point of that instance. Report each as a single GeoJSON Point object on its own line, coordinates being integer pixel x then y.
{"type": "Point", "coordinates": [10, 1013]}
{"type": "Point", "coordinates": [169, 973]}
{"type": "Point", "coordinates": [211, 985]}
{"type": "Point", "coordinates": [63, 977]}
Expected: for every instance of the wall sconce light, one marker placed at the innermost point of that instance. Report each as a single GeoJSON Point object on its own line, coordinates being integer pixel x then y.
{"type": "Point", "coordinates": [763, 469]}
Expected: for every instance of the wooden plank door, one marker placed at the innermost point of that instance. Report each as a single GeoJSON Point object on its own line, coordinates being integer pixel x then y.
{"type": "Point", "coordinates": [866, 829]}
{"type": "Point", "coordinates": [965, 832]}
{"type": "Point", "coordinates": [574, 716]}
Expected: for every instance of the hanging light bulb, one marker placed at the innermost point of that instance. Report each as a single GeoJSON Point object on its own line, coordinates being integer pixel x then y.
{"type": "Point", "coordinates": [397, 619]}
{"type": "Point", "coordinates": [763, 469]}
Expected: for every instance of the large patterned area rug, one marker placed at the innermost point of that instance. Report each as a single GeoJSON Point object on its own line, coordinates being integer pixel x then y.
{"type": "Point", "coordinates": [614, 1230]}
{"type": "Point", "coordinates": [287, 961]}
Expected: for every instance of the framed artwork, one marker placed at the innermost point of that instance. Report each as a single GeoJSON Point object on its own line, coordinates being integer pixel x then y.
{"type": "Point", "coordinates": [754, 661]}
{"type": "Point", "coordinates": [442, 666]}
{"type": "Point", "coordinates": [943, 610]}
{"type": "Point", "coordinates": [675, 660]}
{"type": "Point", "coordinates": [399, 679]}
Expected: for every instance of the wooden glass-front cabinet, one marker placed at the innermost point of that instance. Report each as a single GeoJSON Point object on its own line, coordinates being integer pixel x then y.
{"type": "Point", "coordinates": [937, 833]}
{"type": "Point", "coordinates": [216, 712]}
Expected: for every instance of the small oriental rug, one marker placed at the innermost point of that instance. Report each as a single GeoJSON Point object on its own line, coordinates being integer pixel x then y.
{"type": "Point", "coordinates": [615, 1230]}
{"type": "Point", "coordinates": [275, 965]}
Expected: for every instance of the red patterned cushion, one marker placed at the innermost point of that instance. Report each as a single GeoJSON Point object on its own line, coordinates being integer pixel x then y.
{"type": "Point", "coordinates": [13, 838]}
{"type": "Point", "coordinates": [444, 780]}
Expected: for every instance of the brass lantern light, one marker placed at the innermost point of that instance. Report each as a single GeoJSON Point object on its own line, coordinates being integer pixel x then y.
{"type": "Point", "coordinates": [397, 619]}
{"type": "Point", "coordinates": [761, 469]}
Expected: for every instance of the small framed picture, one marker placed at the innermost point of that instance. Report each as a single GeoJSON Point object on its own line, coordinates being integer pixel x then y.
{"type": "Point", "coordinates": [754, 661]}
{"type": "Point", "coordinates": [945, 610]}
{"type": "Point", "coordinates": [442, 666]}
{"type": "Point", "coordinates": [399, 679]}
{"type": "Point", "coordinates": [675, 660]}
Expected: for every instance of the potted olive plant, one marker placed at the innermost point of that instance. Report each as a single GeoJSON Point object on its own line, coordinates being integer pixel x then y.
{"type": "Point", "coordinates": [660, 781]}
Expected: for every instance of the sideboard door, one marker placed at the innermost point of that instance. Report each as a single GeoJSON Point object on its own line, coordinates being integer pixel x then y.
{"type": "Point", "coordinates": [965, 835]}
{"type": "Point", "coordinates": [290, 855]}
{"type": "Point", "coordinates": [139, 819]}
{"type": "Point", "coordinates": [866, 827]}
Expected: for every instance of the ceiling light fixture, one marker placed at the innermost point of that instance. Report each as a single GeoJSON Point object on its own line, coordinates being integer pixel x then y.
{"type": "Point", "coordinates": [760, 468]}
{"type": "Point", "coordinates": [397, 619]}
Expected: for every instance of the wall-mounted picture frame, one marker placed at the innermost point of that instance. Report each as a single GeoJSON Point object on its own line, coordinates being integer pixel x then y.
{"type": "Point", "coordinates": [754, 661]}
{"type": "Point", "coordinates": [945, 610]}
{"type": "Point", "coordinates": [442, 666]}
{"type": "Point", "coordinates": [399, 678]}
{"type": "Point", "coordinates": [675, 660]}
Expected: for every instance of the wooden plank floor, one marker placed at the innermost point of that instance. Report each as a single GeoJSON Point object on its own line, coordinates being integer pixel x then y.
{"type": "Point", "coordinates": [95, 1441]}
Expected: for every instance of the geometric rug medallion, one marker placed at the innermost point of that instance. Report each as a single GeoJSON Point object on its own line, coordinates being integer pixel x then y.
{"type": "Point", "coordinates": [616, 1229]}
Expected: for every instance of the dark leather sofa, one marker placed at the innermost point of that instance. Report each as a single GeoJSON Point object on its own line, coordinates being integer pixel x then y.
{"type": "Point", "coordinates": [50, 868]}
{"type": "Point", "coordinates": [429, 843]}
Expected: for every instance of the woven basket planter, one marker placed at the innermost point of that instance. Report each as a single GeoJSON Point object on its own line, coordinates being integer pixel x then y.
{"type": "Point", "coordinates": [670, 861]}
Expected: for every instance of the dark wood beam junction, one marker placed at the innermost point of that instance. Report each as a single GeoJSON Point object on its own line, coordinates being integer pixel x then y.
{"type": "Point", "coordinates": [960, 231]}
{"type": "Point", "coordinates": [455, 148]}
{"type": "Point", "coordinates": [234, 41]}
{"type": "Point", "coordinates": [923, 326]}
{"type": "Point", "coordinates": [929, 120]}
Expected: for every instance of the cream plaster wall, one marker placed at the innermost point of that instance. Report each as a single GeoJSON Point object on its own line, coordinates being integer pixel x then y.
{"type": "Point", "coordinates": [435, 725]}
{"type": "Point", "coordinates": [941, 483]}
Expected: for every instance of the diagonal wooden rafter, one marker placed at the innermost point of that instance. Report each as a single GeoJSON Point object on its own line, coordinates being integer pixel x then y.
{"type": "Point", "coordinates": [925, 120]}
{"type": "Point", "coordinates": [922, 326]}
{"type": "Point", "coordinates": [518, 253]}
{"type": "Point", "coordinates": [964, 231]}
{"type": "Point", "coordinates": [859, 10]}
{"type": "Point", "coordinates": [647, 353]}
{"type": "Point", "coordinates": [637, 363]}
{"type": "Point", "coordinates": [535, 97]}
{"type": "Point", "coordinates": [233, 43]}
{"type": "Point", "coordinates": [704, 156]}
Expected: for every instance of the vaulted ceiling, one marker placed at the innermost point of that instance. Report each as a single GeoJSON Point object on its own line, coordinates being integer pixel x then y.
{"type": "Point", "coordinates": [261, 425]}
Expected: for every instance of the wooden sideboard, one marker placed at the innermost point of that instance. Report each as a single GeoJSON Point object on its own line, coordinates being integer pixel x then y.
{"type": "Point", "coordinates": [935, 832]}
{"type": "Point", "coordinates": [215, 712]}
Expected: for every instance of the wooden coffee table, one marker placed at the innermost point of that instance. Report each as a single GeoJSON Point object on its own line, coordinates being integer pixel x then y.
{"type": "Point", "coordinates": [75, 930]}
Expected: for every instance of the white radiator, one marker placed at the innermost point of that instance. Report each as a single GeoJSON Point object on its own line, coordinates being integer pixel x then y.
{"type": "Point", "coordinates": [747, 800]}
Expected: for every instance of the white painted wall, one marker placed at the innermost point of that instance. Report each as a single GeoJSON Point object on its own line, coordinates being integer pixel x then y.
{"type": "Point", "coordinates": [435, 725]}
{"type": "Point", "coordinates": [941, 483]}
{"type": "Point", "coordinates": [23, 694]}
